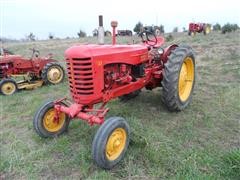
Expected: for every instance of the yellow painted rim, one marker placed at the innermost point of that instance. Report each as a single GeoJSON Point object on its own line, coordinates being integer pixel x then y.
{"type": "Point", "coordinates": [116, 144]}
{"type": "Point", "coordinates": [52, 125]}
{"type": "Point", "coordinates": [208, 30]}
{"type": "Point", "coordinates": [55, 74]}
{"type": "Point", "coordinates": [193, 33]}
{"type": "Point", "coordinates": [186, 78]}
{"type": "Point", "coordinates": [8, 88]}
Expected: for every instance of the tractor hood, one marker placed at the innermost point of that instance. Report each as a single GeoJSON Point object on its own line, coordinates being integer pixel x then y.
{"type": "Point", "coordinates": [112, 51]}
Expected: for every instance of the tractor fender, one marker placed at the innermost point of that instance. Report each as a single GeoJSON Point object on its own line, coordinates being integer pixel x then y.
{"type": "Point", "coordinates": [40, 63]}
{"type": "Point", "coordinates": [46, 61]}
{"type": "Point", "coordinates": [167, 52]}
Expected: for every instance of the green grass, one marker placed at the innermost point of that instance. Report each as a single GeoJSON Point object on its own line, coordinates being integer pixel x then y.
{"type": "Point", "coordinates": [201, 142]}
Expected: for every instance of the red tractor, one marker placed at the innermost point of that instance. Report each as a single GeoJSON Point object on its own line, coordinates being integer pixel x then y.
{"type": "Point", "coordinates": [17, 72]}
{"type": "Point", "coordinates": [194, 28]}
{"type": "Point", "coordinates": [99, 73]}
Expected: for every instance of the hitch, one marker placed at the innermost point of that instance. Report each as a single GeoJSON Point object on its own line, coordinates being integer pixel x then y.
{"type": "Point", "coordinates": [92, 116]}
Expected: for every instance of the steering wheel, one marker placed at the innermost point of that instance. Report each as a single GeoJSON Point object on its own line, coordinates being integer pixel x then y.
{"type": "Point", "coordinates": [145, 35]}
{"type": "Point", "coordinates": [35, 53]}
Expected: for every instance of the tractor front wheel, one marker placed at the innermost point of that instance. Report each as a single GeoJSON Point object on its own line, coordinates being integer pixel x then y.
{"type": "Point", "coordinates": [8, 86]}
{"type": "Point", "coordinates": [46, 125]}
{"type": "Point", "coordinates": [179, 78]}
{"type": "Point", "coordinates": [110, 142]}
{"type": "Point", "coordinates": [52, 73]}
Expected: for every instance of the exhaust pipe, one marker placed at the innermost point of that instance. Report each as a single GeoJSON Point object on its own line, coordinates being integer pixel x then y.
{"type": "Point", "coordinates": [100, 30]}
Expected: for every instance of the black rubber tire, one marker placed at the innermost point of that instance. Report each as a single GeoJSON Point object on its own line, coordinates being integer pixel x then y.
{"type": "Point", "coordinates": [38, 121]}
{"type": "Point", "coordinates": [8, 80]}
{"type": "Point", "coordinates": [129, 96]}
{"type": "Point", "coordinates": [170, 96]}
{"type": "Point", "coordinates": [46, 69]}
{"type": "Point", "coordinates": [101, 138]}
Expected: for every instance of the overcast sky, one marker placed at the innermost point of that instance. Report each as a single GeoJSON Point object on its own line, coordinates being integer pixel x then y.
{"type": "Point", "coordinates": [65, 17]}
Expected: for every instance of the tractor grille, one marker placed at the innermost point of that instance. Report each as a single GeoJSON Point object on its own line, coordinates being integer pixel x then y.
{"type": "Point", "coordinates": [80, 75]}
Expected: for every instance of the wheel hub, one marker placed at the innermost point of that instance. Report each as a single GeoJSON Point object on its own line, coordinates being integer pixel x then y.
{"type": "Point", "coordinates": [8, 88]}
{"type": "Point", "coordinates": [50, 123]}
{"type": "Point", "coordinates": [55, 75]}
{"type": "Point", "coordinates": [116, 143]}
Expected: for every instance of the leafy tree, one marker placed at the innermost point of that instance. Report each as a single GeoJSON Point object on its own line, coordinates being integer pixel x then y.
{"type": "Point", "coordinates": [184, 29]}
{"type": "Point", "coordinates": [95, 32]}
{"type": "Point", "coordinates": [81, 34]}
{"type": "Point", "coordinates": [51, 36]}
{"type": "Point", "coordinates": [235, 27]}
{"type": "Point", "coordinates": [175, 29]}
{"type": "Point", "coordinates": [138, 27]}
{"type": "Point", "coordinates": [161, 27]}
{"type": "Point", "coordinates": [107, 33]}
{"type": "Point", "coordinates": [229, 28]}
{"type": "Point", "coordinates": [217, 27]}
{"type": "Point", "coordinates": [31, 37]}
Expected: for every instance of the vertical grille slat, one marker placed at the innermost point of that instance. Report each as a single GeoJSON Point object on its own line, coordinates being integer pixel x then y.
{"type": "Point", "coordinates": [80, 75]}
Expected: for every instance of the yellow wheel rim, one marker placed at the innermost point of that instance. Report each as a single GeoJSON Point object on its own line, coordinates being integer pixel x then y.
{"type": "Point", "coordinates": [8, 88]}
{"type": "Point", "coordinates": [186, 78]}
{"type": "Point", "coordinates": [55, 74]}
{"type": "Point", "coordinates": [116, 143]}
{"type": "Point", "coordinates": [50, 124]}
{"type": "Point", "coordinates": [208, 30]}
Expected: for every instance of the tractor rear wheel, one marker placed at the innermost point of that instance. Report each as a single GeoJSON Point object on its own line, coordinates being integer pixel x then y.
{"type": "Point", "coordinates": [110, 142]}
{"type": "Point", "coordinates": [8, 86]}
{"type": "Point", "coordinates": [44, 123]}
{"type": "Point", "coordinates": [129, 96]}
{"type": "Point", "coordinates": [52, 73]}
{"type": "Point", "coordinates": [179, 78]}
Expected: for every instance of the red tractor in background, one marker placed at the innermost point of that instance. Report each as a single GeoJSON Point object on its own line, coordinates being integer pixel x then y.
{"type": "Point", "coordinates": [194, 28]}
{"type": "Point", "coordinates": [99, 73]}
{"type": "Point", "coordinates": [17, 72]}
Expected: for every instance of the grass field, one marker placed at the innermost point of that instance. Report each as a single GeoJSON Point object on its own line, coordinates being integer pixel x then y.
{"type": "Point", "coordinates": [201, 142]}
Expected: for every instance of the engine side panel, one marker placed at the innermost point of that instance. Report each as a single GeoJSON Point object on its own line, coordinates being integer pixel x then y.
{"type": "Point", "coordinates": [87, 64]}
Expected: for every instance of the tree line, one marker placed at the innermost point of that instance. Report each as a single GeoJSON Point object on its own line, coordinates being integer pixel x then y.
{"type": "Point", "coordinates": [226, 28]}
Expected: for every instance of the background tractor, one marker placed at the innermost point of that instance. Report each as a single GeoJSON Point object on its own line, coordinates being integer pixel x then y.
{"type": "Point", "coordinates": [99, 73]}
{"type": "Point", "coordinates": [17, 72]}
{"type": "Point", "coordinates": [194, 28]}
